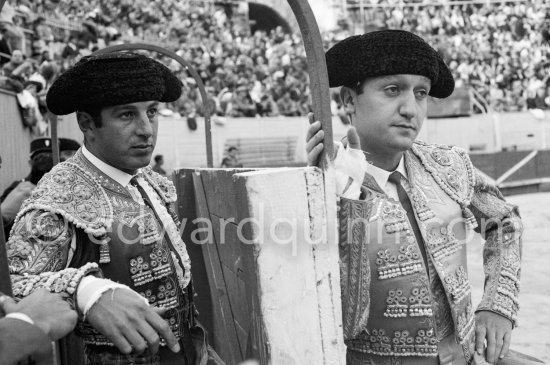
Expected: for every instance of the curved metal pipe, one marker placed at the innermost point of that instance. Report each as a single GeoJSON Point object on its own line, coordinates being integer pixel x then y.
{"type": "Point", "coordinates": [318, 75]}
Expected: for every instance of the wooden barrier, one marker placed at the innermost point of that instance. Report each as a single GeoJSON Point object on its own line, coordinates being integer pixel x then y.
{"type": "Point", "coordinates": [265, 268]}
{"type": "Point", "coordinates": [514, 173]}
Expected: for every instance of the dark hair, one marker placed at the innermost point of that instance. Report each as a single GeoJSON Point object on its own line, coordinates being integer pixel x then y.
{"type": "Point", "coordinates": [232, 148]}
{"type": "Point", "coordinates": [357, 87]}
{"type": "Point", "coordinates": [158, 158]}
{"type": "Point", "coordinates": [95, 113]}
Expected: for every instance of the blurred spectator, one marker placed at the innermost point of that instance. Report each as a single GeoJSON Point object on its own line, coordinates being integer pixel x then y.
{"type": "Point", "coordinates": [231, 160]}
{"type": "Point", "coordinates": [13, 34]}
{"type": "Point", "coordinates": [5, 48]}
{"type": "Point", "coordinates": [241, 104]}
{"type": "Point", "coordinates": [287, 106]}
{"type": "Point", "coordinates": [157, 167]}
{"type": "Point", "coordinates": [537, 101]}
{"type": "Point", "coordinates": [29, 103]}
{"type": "Point", "coordinates": [267, 106]}
{"type": "Point", "coordinates": [71, 49]}
{"type": "Point", "coordinates": [17, 66]}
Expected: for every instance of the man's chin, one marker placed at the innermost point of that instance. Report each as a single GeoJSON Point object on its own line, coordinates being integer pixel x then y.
{"type": "Point", "coordinates": [406, 140]}
{"type": "Point", "coordinates": [404, 143]}
{"type": "Point", "coordinates": [138, 163]}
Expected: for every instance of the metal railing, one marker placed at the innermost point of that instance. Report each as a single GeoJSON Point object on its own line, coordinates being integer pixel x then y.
{"type": "Point", "coordinates": [479, 101]}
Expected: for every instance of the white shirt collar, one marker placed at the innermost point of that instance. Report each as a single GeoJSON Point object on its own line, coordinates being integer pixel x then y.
{"type": "Point", "coordinates": [381, 176]}
{"type": "Point", "coordinates": [119, 176]}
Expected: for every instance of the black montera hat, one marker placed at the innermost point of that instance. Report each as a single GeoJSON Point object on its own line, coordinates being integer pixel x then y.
{"type": "Point", "coordinates": [387, 52]}
{"type": "Point", "coordinates": [112, 79]}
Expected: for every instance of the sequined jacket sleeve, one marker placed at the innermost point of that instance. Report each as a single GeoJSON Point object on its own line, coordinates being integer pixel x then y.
{"type": "Point", "coordinates": [500, 225]}
{"type": "Point", "coordinates": [38, 250]}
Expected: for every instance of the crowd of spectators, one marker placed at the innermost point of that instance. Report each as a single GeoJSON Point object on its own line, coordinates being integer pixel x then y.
{"type": "Point", "coordinates": [500, 49]}
{"type": "Point", "coordinates": [245, 75]}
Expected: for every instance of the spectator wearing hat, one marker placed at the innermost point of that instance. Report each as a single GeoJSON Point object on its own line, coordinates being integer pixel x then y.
{"type": "Point", "coordinates": [407, 209]}
{"type": "Point", "coordinates": [106, 213]}
{"type": "Point", "coordinates": [41, 162]}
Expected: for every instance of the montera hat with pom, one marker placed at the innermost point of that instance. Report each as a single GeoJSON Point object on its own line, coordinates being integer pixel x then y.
{"type": "Point", "coordinates": [387, 52]}
{"type": "Point", "coordinates": [112, 79]}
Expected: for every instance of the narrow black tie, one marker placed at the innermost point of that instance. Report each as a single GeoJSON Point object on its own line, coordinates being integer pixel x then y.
{"type": "Point", "coordinates": [148, 202]}
{"type": "Point", "coordinates": [144, 196]}
{"type": "Point", "coordinates": [395, 178]}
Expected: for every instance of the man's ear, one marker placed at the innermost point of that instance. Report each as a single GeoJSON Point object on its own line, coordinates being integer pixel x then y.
{"type": "Point", "coordinates": [347, 96]}
{"type": "Point", "coordinates": [86, 124]}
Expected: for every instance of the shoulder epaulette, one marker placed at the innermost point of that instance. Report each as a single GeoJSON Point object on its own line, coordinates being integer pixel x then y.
{"type": "Point", "coordinates": [74, 193]}
{"type": "Point", "coordinates": [453, 171]}
{"type": "Point", "coordinates": [162, 185]}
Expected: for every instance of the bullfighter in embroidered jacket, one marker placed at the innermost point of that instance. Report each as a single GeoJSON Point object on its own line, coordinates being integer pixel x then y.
{"type": "Point", "coordinates": [407, 210]}
{"type": "Point", "coordinates": [101, 228]}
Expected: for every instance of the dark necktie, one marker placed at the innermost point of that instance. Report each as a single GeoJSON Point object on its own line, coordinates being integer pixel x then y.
{"type": "Point", "coordinates": [144, 196]}
{"type": "Point", "coordinates": [395, 178]}
{"type": "Point", "coordinates": [148, 202]}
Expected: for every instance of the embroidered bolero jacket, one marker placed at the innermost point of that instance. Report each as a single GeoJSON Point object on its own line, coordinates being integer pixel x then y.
{"type": "Point", "coordinates": [76, 203]}
{"type": "Point", "coordinates": [385, 285]}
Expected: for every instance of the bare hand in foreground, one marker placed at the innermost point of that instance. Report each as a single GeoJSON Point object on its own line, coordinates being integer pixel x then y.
{"type": "Point", "coordinates": [314, 141]}
{"type": "Point", "coordinates": [133, 326]}
{"type": "Point", "coordinates": [47, 310]}
{"type": "Point", "coordinates": [497, 330]}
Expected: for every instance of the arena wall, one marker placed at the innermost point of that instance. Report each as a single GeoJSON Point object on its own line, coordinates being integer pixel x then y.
{"type": "Point", "coordinates": [15, 139]}
{"type": "Point", "coordinates": [480, 133]}
{"type": "Point", "coordinates": [276, 141]}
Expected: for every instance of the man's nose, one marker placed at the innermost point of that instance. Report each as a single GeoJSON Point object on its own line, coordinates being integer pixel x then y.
{"type": "Point", "coordinates": [408, 107]}
{"type": "Point", "coordinates": [145, 125]}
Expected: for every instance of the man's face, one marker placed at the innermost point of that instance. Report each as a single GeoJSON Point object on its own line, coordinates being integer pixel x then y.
{"type": "Point", "coordinates": [390, 111]}
{"type": "Point", "coordinates": [127, 136]}
{"type": "Point", "coordinates": [17, 57]}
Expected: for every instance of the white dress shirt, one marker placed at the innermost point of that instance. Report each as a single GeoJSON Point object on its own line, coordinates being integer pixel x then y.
{"type": "Point", "coordinates": [350, 167]}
